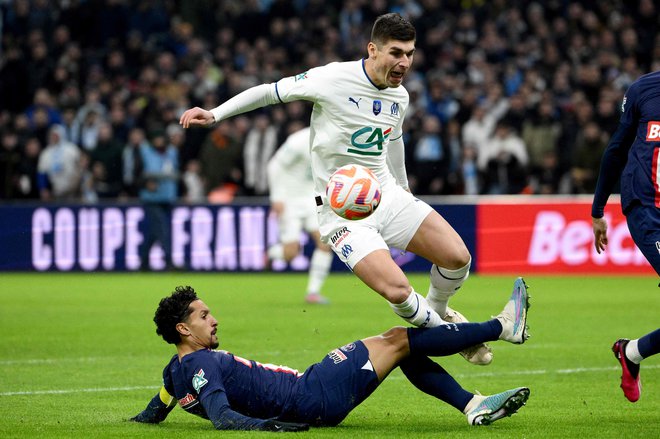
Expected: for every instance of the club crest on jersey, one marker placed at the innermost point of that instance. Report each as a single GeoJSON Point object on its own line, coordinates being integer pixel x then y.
{"type": "Point", "coordinates": [377, 107]}
{"type": "Point", "coordinates": [348, 347]}
{"type": "Point", "coordinates": [394, 109]}
{"type": "Point", "coordinates": [198, 380]}
{"type": "Point", "coordinates": [337, 356]}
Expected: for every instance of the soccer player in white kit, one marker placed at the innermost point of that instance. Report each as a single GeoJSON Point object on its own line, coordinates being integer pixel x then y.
{"type": "Point", "coordinates": [358, 113]}
{"type": "Point", "coordinates": [292, 200]}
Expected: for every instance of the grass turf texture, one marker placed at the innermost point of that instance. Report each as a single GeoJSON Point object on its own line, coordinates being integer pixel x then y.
{"type": "Point", "coordinates": [80, 354]}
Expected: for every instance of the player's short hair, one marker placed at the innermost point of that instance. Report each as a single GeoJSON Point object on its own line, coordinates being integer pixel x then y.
{"type": "Point", "coordinates": [392, 26]}
{"type": "Point", "coordinates": [174, 309]}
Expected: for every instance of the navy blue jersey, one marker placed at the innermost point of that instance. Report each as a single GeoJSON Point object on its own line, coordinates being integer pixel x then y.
{"type": "Point", "coordinates": [633, 151]}
{"type": "Point", "coordinates": [235, 393]}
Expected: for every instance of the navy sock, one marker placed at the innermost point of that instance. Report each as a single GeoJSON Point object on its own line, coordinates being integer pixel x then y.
{"type": "Point", "coordinates": [451, 338]}
{"type": "Point", "coordinates": [432, 379]}
{"type": "Point", "coordinates": [649, 344]}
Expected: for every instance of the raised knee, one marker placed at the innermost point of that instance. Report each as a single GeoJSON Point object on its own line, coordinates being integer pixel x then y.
{"type": "Point", "coordinates": [397, 293]}
{"type": "Point", "coordinates": [458, 259]}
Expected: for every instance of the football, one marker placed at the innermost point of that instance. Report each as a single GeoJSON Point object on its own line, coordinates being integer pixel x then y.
{"type": "Point", "coordinates": [353, 192]}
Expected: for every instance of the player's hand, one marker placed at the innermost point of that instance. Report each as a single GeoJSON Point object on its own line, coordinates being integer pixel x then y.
{"type": "Point", "coordinates": [196, 117]}
{"type": "Point", "coordinates": [277, 426]}
{"type": "Point", "coordinates": [600, 233]}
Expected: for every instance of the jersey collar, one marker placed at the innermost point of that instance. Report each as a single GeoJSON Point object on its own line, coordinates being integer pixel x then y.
{"type": "Point", "coordinates": [368, 78]}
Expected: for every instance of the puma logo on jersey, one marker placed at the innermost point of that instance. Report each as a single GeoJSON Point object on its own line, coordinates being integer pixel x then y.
{"type": "Point", "coordinates": [357, 103]}
{"type": "Point", "coordinates": [653, 131]}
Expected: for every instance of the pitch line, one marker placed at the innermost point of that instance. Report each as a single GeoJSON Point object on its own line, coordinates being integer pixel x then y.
{"type": "Point", "coordinates": [483, 374]}
{"type": "Point", "coordinates": [66, 391]}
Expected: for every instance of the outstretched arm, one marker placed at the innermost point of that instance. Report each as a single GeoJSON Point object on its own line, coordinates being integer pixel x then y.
{"type": "Point", "coordinates": [224, 418]}
{"type": "Point", "coordinates": [157, 409]}
{"type": "Point", "coordinates": [248, 100]}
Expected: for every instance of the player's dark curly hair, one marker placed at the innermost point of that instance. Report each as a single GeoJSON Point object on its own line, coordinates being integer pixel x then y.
{"type": "Point", "coordinates": [392, 26]}
{"type": "Point", "coordinates": [172, 310]}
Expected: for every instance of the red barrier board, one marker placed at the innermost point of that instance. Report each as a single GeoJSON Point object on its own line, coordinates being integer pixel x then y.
{"type": "Point", "coordinates": [553, 238]}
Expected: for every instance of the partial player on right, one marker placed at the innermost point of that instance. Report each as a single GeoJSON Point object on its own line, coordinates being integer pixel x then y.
{"type": "Point", "coordinates": [633, 156]}
{"type": "Point", "coordinates": [292, 200]}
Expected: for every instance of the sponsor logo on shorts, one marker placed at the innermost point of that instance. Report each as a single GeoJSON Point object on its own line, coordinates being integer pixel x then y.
{"type": "Point", "coordinates": [348, 347]}
{"type": "Point", "coordinates": [339, 236]}
{"type": "Point", "coordinates": [653, 131]}
{"type": "Point", "coordinates": [337, 356]}
{"type": "Point", "coordinates": [346, 250]}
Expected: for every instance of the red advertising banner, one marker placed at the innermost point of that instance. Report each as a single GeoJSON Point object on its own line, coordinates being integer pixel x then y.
{"type": "Point", "coordinates": [553, 237]}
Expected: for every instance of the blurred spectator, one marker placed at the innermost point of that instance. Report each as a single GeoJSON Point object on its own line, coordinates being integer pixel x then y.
{"type": "Point", "coordinates": [58, 170]}
{"type": "Point", "coordinates": [27, 170]}
{"type": "Point", "coordinates": [541, 133]}
{"type": "Point", "coordinates": [158, 193]}
{"type": "Point", "coordinates": [221, 159]}
{"type": "Point", "coordinates": [479, 128]}
{"type": "Point", "coordinates": [132, 161]}
{"type": "Point", "coordinates": [430, 156]}
{"type": "Point", "coordinates": [107, 163]}
{"type": "Point", "coordinates": [89, 175]}
{"type": "Point", "coordinates": [503, 161]}
{"type": "Point", "coordinates": [260, 145]}
{"type": "Point", "coordinates": [590, 145]}
{"type": "Point", "coordinates": [10, 158]}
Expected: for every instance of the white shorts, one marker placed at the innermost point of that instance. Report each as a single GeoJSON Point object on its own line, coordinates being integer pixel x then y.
{"type": "Point", "coordinates": [299, 214]}
{"type": "Point", "coordinates": [393, 224]}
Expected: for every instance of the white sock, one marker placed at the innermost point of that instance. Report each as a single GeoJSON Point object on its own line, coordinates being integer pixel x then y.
{"type": "Point", "coordinates": [444, 284]}
{"type": "Point", "coordinates": [318, 270]}
{"type": "Point", "coordinates": [473, 403]}
{"type": "Point", "coordinates": [416, 310]}
{"type": "Point", "coordinates": [632, 352]}
{"type": "Point", "coordinates": [276, 252]}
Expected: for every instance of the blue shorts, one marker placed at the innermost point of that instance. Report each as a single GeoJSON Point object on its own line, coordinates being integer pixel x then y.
{"type": "Point", "coordinates": [644, 226]}
{"type": "Point", "coordinates": [330, 389]}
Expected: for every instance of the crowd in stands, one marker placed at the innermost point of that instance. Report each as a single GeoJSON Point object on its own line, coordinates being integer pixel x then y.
{"type": "Point", "coordinates": [506, 97]}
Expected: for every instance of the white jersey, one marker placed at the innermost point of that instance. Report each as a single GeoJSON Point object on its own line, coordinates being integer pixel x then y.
{"type": "Point", "coordinates": [289, 170]}
{"type": "Point", "coordinates": [353, 121]}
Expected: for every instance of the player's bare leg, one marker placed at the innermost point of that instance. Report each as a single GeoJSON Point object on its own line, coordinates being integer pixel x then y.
{"type": "Point", "coordinates": [379, 271]}
{"type": "Point", "coordinates": [438, 242]}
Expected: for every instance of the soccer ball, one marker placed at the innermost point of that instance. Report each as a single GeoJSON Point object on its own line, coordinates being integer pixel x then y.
{"type": "Point", "coordinates": [353, 192]}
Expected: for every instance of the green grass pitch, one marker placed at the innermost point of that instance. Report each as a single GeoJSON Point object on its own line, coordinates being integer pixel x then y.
{"type": "Point", "coordinates": [80, 354]}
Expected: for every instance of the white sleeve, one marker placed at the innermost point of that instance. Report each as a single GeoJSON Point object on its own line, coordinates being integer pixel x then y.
{"type": "Point", "coordinates": [248, 100]}
{"type": "Point", "coordinates": [396, 161]}
{"type": "Point", "coordinates": [305, 86]}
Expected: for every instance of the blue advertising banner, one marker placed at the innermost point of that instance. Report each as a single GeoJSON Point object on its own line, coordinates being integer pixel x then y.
{"type": "Point", "coordinates": [204, 238]}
